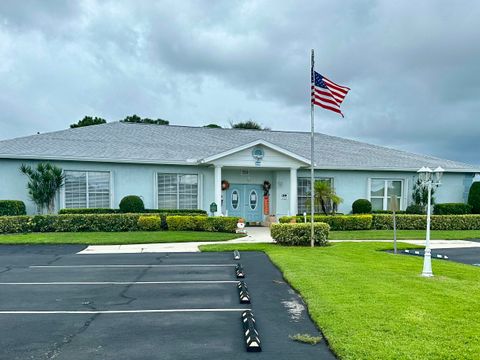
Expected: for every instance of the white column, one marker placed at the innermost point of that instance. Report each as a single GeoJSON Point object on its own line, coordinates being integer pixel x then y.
{"type": "Point", "coordinates": [218, 189]}
{"type": "Point", "coordinates": [293, 191]}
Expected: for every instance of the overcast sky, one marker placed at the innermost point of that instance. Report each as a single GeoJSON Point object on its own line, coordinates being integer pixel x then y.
{"type": "Point", "coordinates": [413, 67]}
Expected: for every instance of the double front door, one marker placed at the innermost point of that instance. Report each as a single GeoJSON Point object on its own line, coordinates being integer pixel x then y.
{"type": "Point", "coordinates": [245, 201]}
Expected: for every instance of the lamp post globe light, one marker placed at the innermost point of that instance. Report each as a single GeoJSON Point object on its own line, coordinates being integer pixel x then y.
{"type": "Point", "coordinates": [429, 179]}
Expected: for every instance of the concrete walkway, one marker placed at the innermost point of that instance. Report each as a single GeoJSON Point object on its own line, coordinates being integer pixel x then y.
{"type": "Point", "coordinates": [254, 235]}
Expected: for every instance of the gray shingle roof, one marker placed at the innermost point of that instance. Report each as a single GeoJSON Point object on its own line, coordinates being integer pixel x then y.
{"type": "Point", "coordinates": [140, 143]}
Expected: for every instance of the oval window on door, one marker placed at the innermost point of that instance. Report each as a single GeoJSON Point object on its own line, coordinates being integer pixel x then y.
{"type": "Point", "coordinates": [253, 199]}
{"type": "Point", "coordinates": [234, 199]}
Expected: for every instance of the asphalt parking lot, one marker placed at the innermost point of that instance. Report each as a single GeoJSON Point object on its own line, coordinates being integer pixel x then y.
{"type": "Point", "coordinates": [467, 255]}
{"type": "Point", "coordinates": [55, 304]}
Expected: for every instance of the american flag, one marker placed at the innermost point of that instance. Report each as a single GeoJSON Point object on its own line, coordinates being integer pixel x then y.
{"type": "Point", "coordinates": [327, 94]}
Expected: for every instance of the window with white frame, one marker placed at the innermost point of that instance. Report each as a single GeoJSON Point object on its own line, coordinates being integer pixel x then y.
{"type": "Point", "coordinates": [87, 189]}
{"type": "Point", "coordinates": [303, 194]}
{"type": "Point", "coordinates": [381, 192]}
{"type": "Point", "coordinates": [177, 191]}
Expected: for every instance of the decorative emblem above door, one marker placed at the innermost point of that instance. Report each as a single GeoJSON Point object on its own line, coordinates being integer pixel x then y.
{"type": "Point", "coordinates": [258, 154]}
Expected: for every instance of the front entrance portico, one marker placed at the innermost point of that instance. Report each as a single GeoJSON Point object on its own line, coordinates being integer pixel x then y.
{"type": "Point", "coordinates": [245, 170]}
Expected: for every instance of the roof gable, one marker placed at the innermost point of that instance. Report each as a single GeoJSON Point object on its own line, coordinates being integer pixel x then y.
{"type": "Point", "coordinates": [271, 156]}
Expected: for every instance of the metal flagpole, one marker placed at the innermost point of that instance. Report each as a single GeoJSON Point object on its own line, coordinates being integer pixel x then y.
{"type": "Point", "coordinates": [312, 171]}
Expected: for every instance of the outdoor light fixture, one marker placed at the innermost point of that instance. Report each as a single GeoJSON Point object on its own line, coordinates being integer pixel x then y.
{"type": "Point", "coordinates": [236, 255]}
{"type": "Point", "coordinates": [243, 293]}
{"type": "Point", "coordinates": [239, 271]}
{"type": "Point", "coordinates": [250, 332]}
{"type": "Point", "coordinates": [429, 179]}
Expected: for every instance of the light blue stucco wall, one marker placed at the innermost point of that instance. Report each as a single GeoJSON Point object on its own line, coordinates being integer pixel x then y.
{"type": "Point", "coordinates": [353, 185]}
{"type": "Point", "coordinates": [139, 180]}
{"type": "Point", "coordinates": [128, 179]}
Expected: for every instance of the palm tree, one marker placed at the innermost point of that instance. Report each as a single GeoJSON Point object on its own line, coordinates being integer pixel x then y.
{"type": "Point", "coordinates": [325, 197]}
{"type": "Point", "coordinates": [43, 184]}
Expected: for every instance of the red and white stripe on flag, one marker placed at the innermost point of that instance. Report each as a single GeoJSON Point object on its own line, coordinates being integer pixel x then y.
{"type": "Point", "coordinates": [327, 94]}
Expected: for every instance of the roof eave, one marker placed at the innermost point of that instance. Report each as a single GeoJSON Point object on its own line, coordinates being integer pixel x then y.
{"type": "Point", "coordinates": [366, 168]}
{"type": "Point", "coordinates": [90, 159]}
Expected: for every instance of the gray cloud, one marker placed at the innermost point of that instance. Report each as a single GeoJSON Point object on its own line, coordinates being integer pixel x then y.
{"type": "Point", "coordinates": [413, 68]}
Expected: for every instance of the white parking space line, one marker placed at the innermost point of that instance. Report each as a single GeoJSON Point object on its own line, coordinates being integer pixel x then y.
{"type": "Point", "coordinates": [127, 266]}
{"type": "Point", "coordinates": [123, 282]}
{"type": "Point", "coordinates": [151, 311]}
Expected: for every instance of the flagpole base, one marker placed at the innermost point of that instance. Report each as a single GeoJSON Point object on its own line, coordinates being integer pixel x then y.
{"type": "Point", "coordinates": [427, 264]}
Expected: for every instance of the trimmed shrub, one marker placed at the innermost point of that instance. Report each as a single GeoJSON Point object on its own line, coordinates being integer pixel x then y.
{"type": "Point", "coordinates": [336, 222]}
{"type": "Point", "coordinates": [149, 223]}
{"type": "Point", "coordinates": [415, 209]}
{"type": "Point", "coordinates": [419, 222]}
{"type": "Point", "coordinates": [222, 224]}
{"type": "Point", "coordinates": [288, 219]}
{"type": "Point", "coordinates": [361, 206]}
{"type": "Point", "coordinates": [89, 211]}
{"type": "Point", "coordinates": [186, 223]}
{"type": "Point", "coordinates": [202, 223]}
{"type": "Point", "coordinates": [452, 209]}
{"type": "Point", "coordinates": [474, 197]}
{"type": "Point", "coordinates": [12, 208]}
{"type": "Point", "coordinates": [16, 224]}
{"type": "Point", "coordinates": [131, 204]}
{"type": "Point", "coordinates": [299, 234]}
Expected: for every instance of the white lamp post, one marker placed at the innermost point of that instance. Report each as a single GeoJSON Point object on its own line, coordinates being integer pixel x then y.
{"type": "Point", "coordinates": [429, 178]}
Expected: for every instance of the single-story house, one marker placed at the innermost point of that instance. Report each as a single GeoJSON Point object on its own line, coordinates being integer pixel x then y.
{"type": "Point", "coordinates": [192, 167]}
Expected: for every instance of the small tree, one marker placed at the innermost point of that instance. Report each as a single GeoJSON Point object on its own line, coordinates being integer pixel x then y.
{"type": "Point", "coordinates": [247, 125]}
{"type": "Point", "coordinates": [420, 194]}
{"type": "Point", "coordinates": [325, 197]}
{"type": "Point", "coordinates": [87, 121]}
{"type": "Point", "coordinates": [137, 119]}
{"type": "Point", "coordinates": [43, 184]}
{"type": "Point", "coordinates": [474, 197]}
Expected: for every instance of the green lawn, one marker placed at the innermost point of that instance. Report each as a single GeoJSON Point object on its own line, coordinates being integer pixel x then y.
{"type": "Point", "coordinates": [105, 238]}
{"type": "Point", "coordinates": [404, 234]}
{"type": "Point", "coordinates": [374, 305]}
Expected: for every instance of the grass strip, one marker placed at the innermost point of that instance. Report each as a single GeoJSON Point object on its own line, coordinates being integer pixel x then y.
{"type": "Point", "coordinates": [114, 238]}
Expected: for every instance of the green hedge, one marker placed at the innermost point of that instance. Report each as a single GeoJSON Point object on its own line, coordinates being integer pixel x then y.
{"type": "Point", "coordinates": [419, 222]}
{"type": "Point", "coordinates": [146, 211]}
{"type": "Point", "coordinates": [109, 222]}
{"type": "Point", "coordinates": [69, 223]}
{"type": "Point", "coordinates": [12, 208]}
{"type": "Point", "coordinates": [452, 209]}
{"type": "Point", "coordinates": [385, 222]}
{"type": "Point", "coordinates": [336, 222]}
{"type": "Point", "coordinates": [16, 224]}
{"type": "Point", "coordinates": [149, 223]}
{"type": "Point", "coordinates": [299, 234]}
{"type": "Point", "coordinates": [202, 223]}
